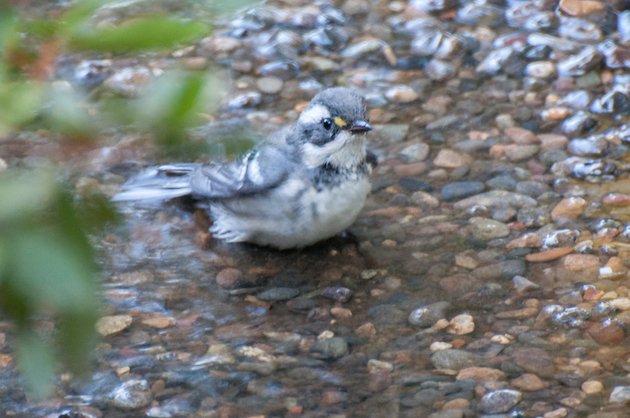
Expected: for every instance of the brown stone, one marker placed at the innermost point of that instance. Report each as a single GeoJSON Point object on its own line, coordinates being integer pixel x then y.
{"type": "Point", "coordinates": [581, 7]}
{"type": "Point", "coordinates": [159, 321]}
{"type": "Point", "coordinates": [548, 255]}
{"type": "Point", "coordinates": [481, 374]}
{"type": "Point", "coordinates": [113, 324]}
{"type": "Point", "coordinates": [606, 332]}
{"type": "Point", "coordinates": [616, 199]}
{"type": "Point", "coordinates": [552, 141]}
{"type": "Point", "coordinates": [521, 135]}
{"type": "Point", "coordinates": [412, 169]}
{"type": "Point", "coordinates": [448, 158]}
{"type": "Point", "coordinates": [528, 382]}
{"type": "Point", "coordinates": [568, 208]}
{"type": "Point", "coordinates": [579, 262]}
{"type": "Point", "coordinates": [229, 278]}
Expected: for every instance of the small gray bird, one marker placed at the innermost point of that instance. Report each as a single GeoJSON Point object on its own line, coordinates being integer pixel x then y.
{"type": "Point", "coordinates": [298, 187]}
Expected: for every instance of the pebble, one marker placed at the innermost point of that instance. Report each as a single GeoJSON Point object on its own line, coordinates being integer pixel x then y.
{"type": "Point", "coordinates": [401, 94]}
{"type": "Point", "coordinates": [270, 85]}
{"type": "Point", "coordinates": [427, 315]}
{"type": "Point", "coordinates": [132, 394]}
{"type": "Point", "coordinates": [447, 158]}
{"type": "Point", "coordinates": [453, 359]}
{"type": "Point", "coordinates": [229, 278]}
{"type": "Point", "coordinates": [337, 293]}
{"type": "Point", "coordinates": [277, 294]}
{"type": "Point", "coordinates": [620, 394]}
{"type": "Point", "coordinates": [580, 262]}
{"type": "Point", "coordinates": [548, 255]}
{"type": "Point", "coordinates": [528, 382]}
{"type": "Point", "coordinates": [461, 325]}
{"type": "Point", "coordinates": [415, 152]}
{"type": "Point", "coordinates": [461, 189]}
{"type": "Point", "coordinates": [541, 69]}
{"type": "Point", "coordinates": [568, 208]}
{"type": "Point", "coordinates": [591, 387]}
{"type": "Point", "coordinates": [495, 198]}
{"type": "Point", "coordinates": [500, 401]}
{"type": "Point", "coordinates": [534, 360]}
{"type": "Point", "coordinates": [109, 325]}
{"type": "Point", "coordinates": [481, 374]}
{"type": "Point", "coordinates": [487, 229]}
{"type": "Point", "coordinates": [607, 332]}
{"type": "Point", "coordinates": [330, 348]}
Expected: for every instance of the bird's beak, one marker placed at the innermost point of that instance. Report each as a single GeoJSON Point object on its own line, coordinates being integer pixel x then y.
{"type": "Point", "coordinates": [359, 127]}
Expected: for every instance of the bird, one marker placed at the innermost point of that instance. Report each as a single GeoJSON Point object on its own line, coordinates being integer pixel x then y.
{"type": "Point", "coordinates": [298, 187]}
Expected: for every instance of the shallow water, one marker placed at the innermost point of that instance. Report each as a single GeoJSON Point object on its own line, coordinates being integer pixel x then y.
{"type": "Point", "coordinates": [428, 304]}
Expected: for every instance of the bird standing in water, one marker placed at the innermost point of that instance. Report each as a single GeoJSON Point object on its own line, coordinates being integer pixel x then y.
{"type": "Point", "coordinates": [298, 187]}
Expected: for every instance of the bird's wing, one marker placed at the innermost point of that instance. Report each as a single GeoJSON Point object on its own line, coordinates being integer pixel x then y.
{"type": "Point", "coordinates": [257, 171]}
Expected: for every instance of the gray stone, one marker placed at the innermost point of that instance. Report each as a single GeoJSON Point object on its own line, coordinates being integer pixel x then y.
{"type": "Point", "coordinates": [276, 294]}
{"type": "Point", "coordinates": [330, 348]}
{"type": "Point", "coordinates": [460, 189]}
{"type": "Point", "coordinates": [620, 394]}
{"type": "Point", "coordinates": [500, 401]}
{"type": "Point", "coordinates": [453, 359]}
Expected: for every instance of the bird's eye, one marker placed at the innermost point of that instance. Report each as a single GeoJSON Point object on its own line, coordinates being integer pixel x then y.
{"type": "Point", "coordinates": [327, 123]}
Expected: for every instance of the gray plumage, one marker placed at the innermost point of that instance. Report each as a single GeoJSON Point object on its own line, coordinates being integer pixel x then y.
{"type": "Point", "coordinates": [298, 187]}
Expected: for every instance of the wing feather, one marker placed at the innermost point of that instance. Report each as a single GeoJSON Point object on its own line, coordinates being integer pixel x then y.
{"type": "Point", "coordinates": [256, 172]}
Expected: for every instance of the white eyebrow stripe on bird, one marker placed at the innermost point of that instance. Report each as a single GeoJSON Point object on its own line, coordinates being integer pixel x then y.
{"type": "Point", "coordinates": [314, 114]}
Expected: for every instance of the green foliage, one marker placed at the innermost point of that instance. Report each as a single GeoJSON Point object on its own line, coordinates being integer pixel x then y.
{"type": "Point", "coordinates": [47, 267]}
{"type": "Point", "coordinates": [138, 35]}
{"type": "Point", "coordinates": [47, 271]}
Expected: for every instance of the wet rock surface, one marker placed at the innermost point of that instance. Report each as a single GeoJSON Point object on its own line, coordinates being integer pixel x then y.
{"type": "Point", "coordinates": [486, 276]}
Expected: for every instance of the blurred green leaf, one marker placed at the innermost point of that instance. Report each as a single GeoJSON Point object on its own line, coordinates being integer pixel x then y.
{"type": "Point", "coordinates": [174, 102]}
{"type": "Point", "coordinates": [19, 103]}
{"type": "Point", "coordinates": [36, 363]}
{"type": "Point", "coordinates": [47, 271]}
{"type": "Point", "coordinates": [66, 111]}
{"type": "Point", "coordinates": [24, 193]}
{"type": "Point", "coordinates": [149, 33]}
{"type": "Point", "coordinates": [8, 25]}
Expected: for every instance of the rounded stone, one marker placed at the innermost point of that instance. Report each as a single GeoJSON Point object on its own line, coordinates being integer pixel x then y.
{"type": "Point", "coordinates": [461, 189]}
{"type": "Point", "coordinates": [487, 229]}
{"type": "Point", "coordinates": [500, 401]}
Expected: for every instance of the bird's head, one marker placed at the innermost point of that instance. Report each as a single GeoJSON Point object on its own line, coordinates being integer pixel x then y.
{"type": "Point", "coordinates": [331, 129]}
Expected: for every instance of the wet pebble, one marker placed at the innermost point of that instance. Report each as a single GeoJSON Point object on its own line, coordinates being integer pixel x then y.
{"type": "Point", "coordinates": [591, 387]}
{"type": "Point", "coordinates": [270, 85]}
{"type": "Point", "coordinates": [541, 69]}
{"type": "Point", "coordinates": [229, 278]}
{"type": "Point", "coordinates": [415, 152]}
{"type": "Point", "coordinates": [529, 383]}
{"type": "Point", "coordinates": [568, 209]}
{"type": "Point", "coordinates": [487, 229]}
{"type": "Point", "coordinates": [427, 315]}
{"type": "Point", "coordinates": [453, 359]}
{"type": "Point", "coordinates": [338, 294]}
{"type": "Point", "coordinates": [607, 332]}
{"type": "Point", "coordinates": [132, 394]}
{"type": "Point", "coordinates": [401, 94]}
{"type": "Point", "coordinates": [500, 401]}
{"type": "Point", "coordinates": [109, 325]}
{"type": "Point", "coordinates": [447, 158]}
{"type": "Point", "coordinates": [276, 294]}
{"type": "Point", "coordinates": [461, 189]}
{"type": "Point", "coordinates": [461, 325]}
{"type": "Point", "coordinates": [330, 348]}
{"type": "Point", "coordinates": [619, 394]}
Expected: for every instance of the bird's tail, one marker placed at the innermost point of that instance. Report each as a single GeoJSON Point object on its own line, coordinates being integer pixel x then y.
{"type": "Point", "coordinates": [158, 183]}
